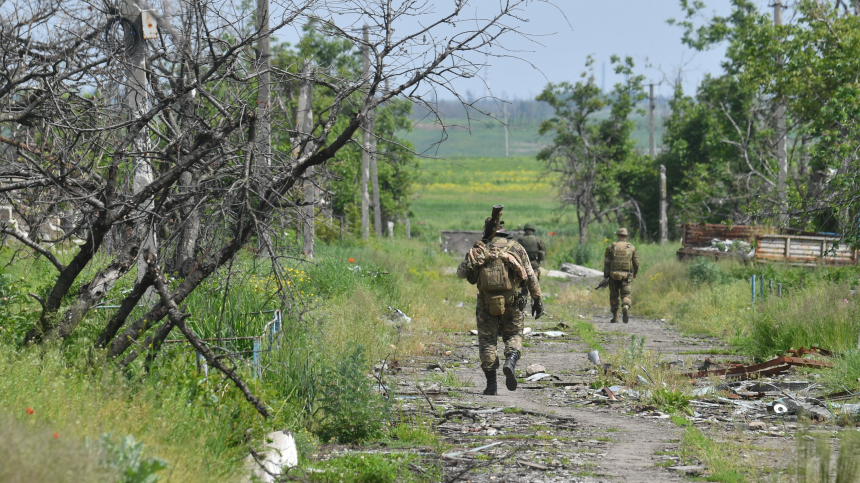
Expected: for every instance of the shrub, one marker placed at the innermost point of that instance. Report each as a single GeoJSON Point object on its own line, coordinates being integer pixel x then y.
{"type": "Point", "coordinates": [669, 400]}
{"type": "Point", "coordinates": [702, 270]}
{"type": "Point", "coordinates": [351, 411]}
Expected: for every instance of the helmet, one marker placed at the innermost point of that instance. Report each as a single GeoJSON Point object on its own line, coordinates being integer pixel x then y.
{"type": "Point", "coordinates": [529, 226]}
{"type": "Point", "coordinates": [621, 232]}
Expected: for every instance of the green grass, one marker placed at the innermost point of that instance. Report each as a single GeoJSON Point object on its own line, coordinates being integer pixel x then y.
{"type": "Point", "coordinates": [458, 195]}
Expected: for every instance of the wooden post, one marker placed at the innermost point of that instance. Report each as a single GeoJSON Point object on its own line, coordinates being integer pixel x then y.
{"type": "Point", "coordinates": [664, 220]}
{"type": "Point", "coordinates": [365, 153]}
{"type": "Point", "coordinates": [408, 228]}
{"type": "Point", "coordinates": [305, 125]}
{"type": "Point", "coordinates": [781, 157]}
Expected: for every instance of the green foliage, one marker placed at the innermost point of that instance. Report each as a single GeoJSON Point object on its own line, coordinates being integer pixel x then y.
{"type": "Point", "coordinates": [823, 315]}
{"type": "Point", "coordinates": [364, 468]}
{"type": "Point", "coordinates": [704, 270]}
{"type": "Point", "coordinates": [583, 254]}
{"type": "Point", "coordinates": [16, 312]}
{"type": "Point", "coordinates": [127, 459]}
{"type": "Point", "coordinates": [598, 167]}
{"type": "Point", "coordinates": [351, 411]}
{"type": "Point", "coordinates": [670, 401]}
{"type": "Point", "coordinates": [726, 461]}
{"type": "Point", "coordinates": [397, 168]}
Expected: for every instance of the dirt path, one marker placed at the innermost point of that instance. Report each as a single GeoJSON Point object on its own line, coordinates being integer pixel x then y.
{"type": "Point", "coordinates": [556, 432]}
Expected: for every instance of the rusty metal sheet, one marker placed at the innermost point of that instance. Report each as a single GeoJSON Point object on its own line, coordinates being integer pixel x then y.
{"type": "Point", "coordinates": [701, 234]}
{"type": "Point", "coordinates": [767, 368]}
{"type": "Point", "coordinates": [807, 249]}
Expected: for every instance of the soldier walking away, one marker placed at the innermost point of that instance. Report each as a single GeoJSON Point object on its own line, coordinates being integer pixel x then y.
{"type": "Point", "coordinates": [620, 266]}
{"type": "Point", "coordinates": [499, 266]}
{"type": "Point", "coordinates": [534, 246]}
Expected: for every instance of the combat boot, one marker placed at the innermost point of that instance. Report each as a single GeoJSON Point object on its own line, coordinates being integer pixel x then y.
{"type": "Point", "coordinates": [614, 317]}
{"type": "Point", "coordinates": [492, 386]}
{"type": "Point", "coordinates": [625, 314]}
{"type": "Point", "coordinates": [510, 371]}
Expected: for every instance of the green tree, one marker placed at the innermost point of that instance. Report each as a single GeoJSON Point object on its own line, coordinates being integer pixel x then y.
{"type": "Point", "coordinates": [397, 168]}
{"type": "Point", "coordinates": [600, 170]}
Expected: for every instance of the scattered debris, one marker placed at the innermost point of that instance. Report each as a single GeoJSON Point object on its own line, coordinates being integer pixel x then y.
{"type": "Point", "coordinates": [594, 357]}
{"type": "Point", "coordinates": [398, 316]}
{"type": "Point", "coordinates": [534, 466]}
{"type": "Point", "coordinates": [549, 333]}
{"type": "Point", "coordinates": [474, 331]}
{"type": "Point", "coordinates": [527, 331]}
{"type": "Point", "coordinates": [688, 470]}
{"type": "Point", "coordinates": [473, 450]}
{"type": "Point", "coordinates": [769, 368]}
{"type": "Point", "coordinates": [435, 366]}
{"type": "Point", "coordinates": [580, 271]}
{"type": "Point", "coordinates": [757, 426]}
{"type": "Point", "coordinates": [535, 369]}
{"type": "Point", "coordinates": [539, 376]}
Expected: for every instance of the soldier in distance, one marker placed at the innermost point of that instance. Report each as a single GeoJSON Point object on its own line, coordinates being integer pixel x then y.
{"type": "Point", "coordinates": [499, 266]}
{"type": "Point", "coordinates": [620, 266]}
{"type": "Point", "coordinates": [534, 246]}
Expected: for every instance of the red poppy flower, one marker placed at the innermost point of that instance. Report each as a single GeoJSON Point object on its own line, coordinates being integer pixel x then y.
{"type": "Point", "coordinates": [551, 233]}
{"type": "Point", "coordinates": [30, 411]}
{"type": "Point", "coordinates": [56, 435]}
{"type": "Point", "coordinates": [350, 260]}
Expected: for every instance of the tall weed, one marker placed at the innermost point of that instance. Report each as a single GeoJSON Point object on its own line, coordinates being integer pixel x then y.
{"type": "Point", "coordinates": [825, 315]}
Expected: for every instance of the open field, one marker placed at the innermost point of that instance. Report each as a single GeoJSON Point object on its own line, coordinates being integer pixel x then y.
{"type": "Point", "coordinates": [458, 194]}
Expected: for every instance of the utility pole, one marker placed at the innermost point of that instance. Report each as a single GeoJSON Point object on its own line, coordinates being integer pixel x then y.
{"type": "Point", "coordinates": [664, 220]}
{"type": "Point", "coordinates": [781, 157]}
{"type": "Point", "coordinates": [505, 108]}
{"type": "Point", "coordinates": [305, 126]}
{"type": "Point", "coordinates": [365, 152]}
{"type": "Point", "coordinates": [138, 103]}
{"type": "Point", "coordinates": [374, 176]}
{"type": "Point", "coordinates": [264, 93]}
{"type": "Point", "coordinates": [652, 149]}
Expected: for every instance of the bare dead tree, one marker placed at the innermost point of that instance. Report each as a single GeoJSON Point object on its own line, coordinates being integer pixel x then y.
{"type": "Point", "coordinates": [70, 142]}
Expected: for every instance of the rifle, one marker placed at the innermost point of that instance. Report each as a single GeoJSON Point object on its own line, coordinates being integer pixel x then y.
{"type": "Point", "coordinates": [491, 224]}
{"type": "Point", "coordinates": [603, 284]}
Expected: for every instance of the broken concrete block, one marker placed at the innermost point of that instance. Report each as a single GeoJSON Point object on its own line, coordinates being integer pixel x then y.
{"type": "Point", "coordinates": [757, 426]}
{"type": "Point", "coordinates": [534, 369]}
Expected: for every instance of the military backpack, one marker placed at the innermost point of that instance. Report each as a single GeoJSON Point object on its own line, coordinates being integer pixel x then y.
{"type": "Point", "coordinates": [530, 243]}
{"type": "Point", "coordinates": [494, 281]}
{"type": "Point", "coordinates": [621, 260]}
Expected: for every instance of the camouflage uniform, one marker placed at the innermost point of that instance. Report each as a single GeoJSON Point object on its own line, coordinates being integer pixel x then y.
{"type": "Point", "coordinates": [510, 324]}
{"type": "Point", "coordinates": [627, 266]}
{"type": "Point", "coordinates": [534, 246]}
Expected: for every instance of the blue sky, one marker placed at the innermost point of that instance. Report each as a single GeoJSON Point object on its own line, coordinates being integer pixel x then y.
{"type": "Point", "coordinates": [575, 29]}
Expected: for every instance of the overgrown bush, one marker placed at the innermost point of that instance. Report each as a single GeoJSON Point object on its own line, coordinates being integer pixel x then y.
{"type": "Point", "coordinates": [350, 410]}
{"type": "Point", "coordinates": [582, 254]}
{"type": "Point", "coordinates": [703, 270]}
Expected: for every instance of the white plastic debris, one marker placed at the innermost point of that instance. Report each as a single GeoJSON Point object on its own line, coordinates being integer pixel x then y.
{"type": "Point", "coordinates": [280, 453]}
